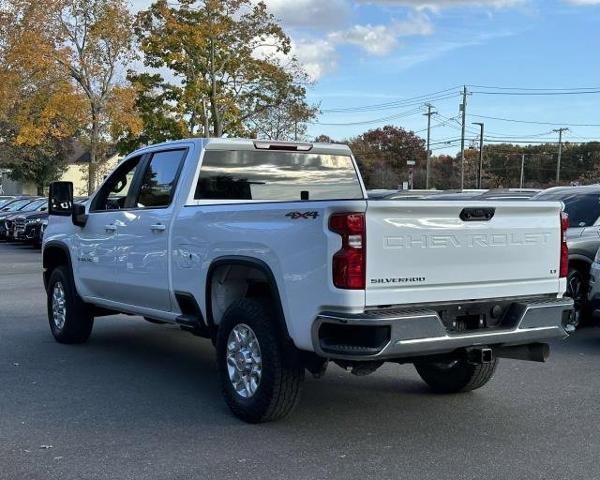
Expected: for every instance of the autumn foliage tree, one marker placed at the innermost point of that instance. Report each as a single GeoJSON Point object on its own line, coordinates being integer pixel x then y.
{"type": "Point", "coordinates": [87, 43]}
{"type": "Point", "coordinates": [232, 72]}
{"type": "Point", "coordinates": [40, 110]}
{"type": "Point", "coordinates": [382, 154]}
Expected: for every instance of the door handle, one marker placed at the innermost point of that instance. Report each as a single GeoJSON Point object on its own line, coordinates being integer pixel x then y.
{"type": "Point", "coordinates": [158, 227]}
{"type": "Point", "coordinates": [110, 227]}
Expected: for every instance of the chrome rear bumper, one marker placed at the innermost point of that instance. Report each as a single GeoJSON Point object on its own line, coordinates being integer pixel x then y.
{"type": "Point", "coordinates": [421, 332]}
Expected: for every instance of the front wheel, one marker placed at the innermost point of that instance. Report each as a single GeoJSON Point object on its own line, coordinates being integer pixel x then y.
{"type": "Point", "coordinates": [261, 377]}
{"type": "Point", "coordinates": [71, 320]}
{"type": "Point", "coordinates": [456, 376]}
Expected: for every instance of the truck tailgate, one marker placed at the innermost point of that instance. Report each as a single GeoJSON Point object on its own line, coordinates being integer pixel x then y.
{"type": "Point", "coordinates": [424, 252]}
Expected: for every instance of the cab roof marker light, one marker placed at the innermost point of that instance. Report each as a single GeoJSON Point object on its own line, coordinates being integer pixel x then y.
{"type": "Point", "coordinates": [294, 147]}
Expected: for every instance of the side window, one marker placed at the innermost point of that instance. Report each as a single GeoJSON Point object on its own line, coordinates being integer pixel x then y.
{"type": "Point", "coordinates": [583, 210]}
{"type": "Point", "coordinates": [160, 179]}
{"type": "Point", "coordinates": [113, 195]}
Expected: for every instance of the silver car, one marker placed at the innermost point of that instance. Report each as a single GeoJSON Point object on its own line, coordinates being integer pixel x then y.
{"type": "Point", "coordinates": [582, 204]}
{"type": "Point", "coordinates": [594, 290]}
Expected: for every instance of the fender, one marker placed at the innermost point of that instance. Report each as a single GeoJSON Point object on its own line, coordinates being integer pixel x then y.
{"type": "Point", "coordinates": [247, 262]}
{"type": "Point", "coordinates": [47, 258]}
{"type": "Point", "coordinates": [580, 257]}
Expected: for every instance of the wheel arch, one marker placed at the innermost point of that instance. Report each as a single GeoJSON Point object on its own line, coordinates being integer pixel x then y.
{"type": "Point", "coordinates": [253, 264]}
{"type": "Point", "coordinates": [580, 262]}
{"type": "Point", "coordinates": [54, 255]}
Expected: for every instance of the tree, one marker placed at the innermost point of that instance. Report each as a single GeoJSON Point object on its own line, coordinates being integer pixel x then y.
{"type": "Point", "coordinates": [324, 139]}
{"type": "Point", "coordinates": [287, 119]}
{"type": "Point", "coordinates": [40, 164]}
{"type": "Point", "coordinates": [90, 40]}
{"type": "Point", "coordinates": [444, 174]}
{"type": "Point", "coordinates": [40, 111]}
{"type": "Point", "coordinates": [382, 154]}
{"type": "Point", "coordinates": [232, 67]}
{"type": "Point", "coordinates": [156, 104]}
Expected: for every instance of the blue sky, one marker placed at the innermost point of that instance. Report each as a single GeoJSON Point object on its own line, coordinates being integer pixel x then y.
{"type": "Point", "coordinates": [363, 52]}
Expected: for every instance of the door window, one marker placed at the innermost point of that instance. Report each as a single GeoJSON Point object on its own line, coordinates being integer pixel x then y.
{"type": "Point", "coordinates": [160, 179]}
{"type": "Point", "coordinates": [114, 192]}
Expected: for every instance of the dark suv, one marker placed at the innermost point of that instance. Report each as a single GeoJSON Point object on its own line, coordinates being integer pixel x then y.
{"type": "Point", "coordinates": [10, 208]}
{"type": "Point", "coordinates": [27, 226]}
{"type": "Point", "coordinates": [582, 204]}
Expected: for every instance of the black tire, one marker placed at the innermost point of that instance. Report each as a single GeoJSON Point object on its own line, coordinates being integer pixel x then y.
{"type": "Point", "coordinates": [456, 376]}
{"type": "Point", "coordinates": [78, 319]}
{"type": "Point", "coordinates": [577, 288]}
{"type": "Point", "coordinates": [278, 390]}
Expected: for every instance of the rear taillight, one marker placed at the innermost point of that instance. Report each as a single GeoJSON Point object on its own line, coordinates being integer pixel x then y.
{"type": "Point", "coordinates": [564, 249]}
{"type": "Point", "coordinates": [349, 261]}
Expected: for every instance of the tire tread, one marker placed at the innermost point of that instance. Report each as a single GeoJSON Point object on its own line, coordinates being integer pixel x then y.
{"type": "Point", "coordinates": [284, 376]}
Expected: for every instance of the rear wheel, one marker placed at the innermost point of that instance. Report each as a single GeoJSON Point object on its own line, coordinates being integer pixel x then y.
{"type": "Point", "coordinates": [456, 376]}
{"type": "Point", "coordinates": [261, 377]}
{"type": "Point", "coordinates": [71, 320]}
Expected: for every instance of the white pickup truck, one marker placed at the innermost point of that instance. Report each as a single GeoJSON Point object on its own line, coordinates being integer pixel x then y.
{"type": "Point", "coordinates": [274, 252]}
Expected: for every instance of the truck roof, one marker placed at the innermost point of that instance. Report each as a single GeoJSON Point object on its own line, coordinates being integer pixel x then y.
{"type": "Point", "coordinates": [249, 144]}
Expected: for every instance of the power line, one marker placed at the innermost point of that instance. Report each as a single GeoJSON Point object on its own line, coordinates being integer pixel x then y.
{"type": "Point", "coordinates": [532, 135]}
{"type": "Point", "coordinates": [375, 120]}
{"type": "Point", "coordinates": [513, 120]}
{"type": "Point", "coordinates": [391, 106]}
{"type": "Point", "coordinates": [535, 93]}
{"type": "Point", "coordinates": [534, 89]}
{"type": "Point", "coordinates": [397, 103]}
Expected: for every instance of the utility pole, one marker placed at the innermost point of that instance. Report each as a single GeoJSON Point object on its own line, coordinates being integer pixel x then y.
{"type": "Point", "coordinates": [522, 170]}
{"type": "Point", "coordinates": [480, 169]}
{"type": "Point", "coordinates": [428, 166]}
{"type": "Point", "coordinates": [560, 132]}
{"type": "Point", "coordinates": [463, 108]}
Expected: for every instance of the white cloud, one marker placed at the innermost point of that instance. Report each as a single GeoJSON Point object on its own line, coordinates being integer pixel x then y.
{"type": "Point", "coordinates": [322, 14]}
{"type": "Point", "coordinates": [383, 39]}
{"type": "Point", "coordinates": [583, 2]}
{"type": "Point", "coordinates": [318, 57]}
{"type": "Point", "coordinates": [375, 39]}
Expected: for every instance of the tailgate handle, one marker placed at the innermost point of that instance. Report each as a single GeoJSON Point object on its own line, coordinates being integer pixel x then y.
{"type": "Point", "coordinates": [477, 214]}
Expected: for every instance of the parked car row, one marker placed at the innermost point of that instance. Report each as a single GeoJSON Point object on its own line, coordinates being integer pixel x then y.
{"type": "Point", "coordinates": [582, 205]}
{"type": "Point", "coordinates": [24, 219]}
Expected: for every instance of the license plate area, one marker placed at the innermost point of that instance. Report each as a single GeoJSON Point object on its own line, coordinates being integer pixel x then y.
{"type": "Point", "coordinates": [473, 316]}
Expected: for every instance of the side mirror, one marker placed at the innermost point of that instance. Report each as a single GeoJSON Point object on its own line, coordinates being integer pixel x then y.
{"type": "Point", "coordinates": [79, 216]}
{"type": "Point", "coordinates": [60, 199]}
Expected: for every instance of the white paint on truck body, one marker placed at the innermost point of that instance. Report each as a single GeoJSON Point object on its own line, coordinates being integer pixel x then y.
{"type": "Point", "coordinates": [418, 252]}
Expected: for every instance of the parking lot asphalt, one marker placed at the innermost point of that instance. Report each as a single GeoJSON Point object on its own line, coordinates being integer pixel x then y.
{"type": "Point", "coordinates": [142, 401]}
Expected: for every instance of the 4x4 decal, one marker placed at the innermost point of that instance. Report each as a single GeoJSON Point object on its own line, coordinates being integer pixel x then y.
{"type": "Point", "coordinates": [301, 215]}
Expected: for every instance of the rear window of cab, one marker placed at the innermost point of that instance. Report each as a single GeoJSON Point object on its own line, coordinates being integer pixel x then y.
{"type": "Point", "coordinates": [276, 176]}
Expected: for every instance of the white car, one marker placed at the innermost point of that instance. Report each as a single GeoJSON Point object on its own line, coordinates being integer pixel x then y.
{"type": "Point", "coordinates": [274, 252]}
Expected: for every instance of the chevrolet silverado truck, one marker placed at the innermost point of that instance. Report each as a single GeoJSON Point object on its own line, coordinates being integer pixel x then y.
{"type": "Point", "coordinates": [274, 252]}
